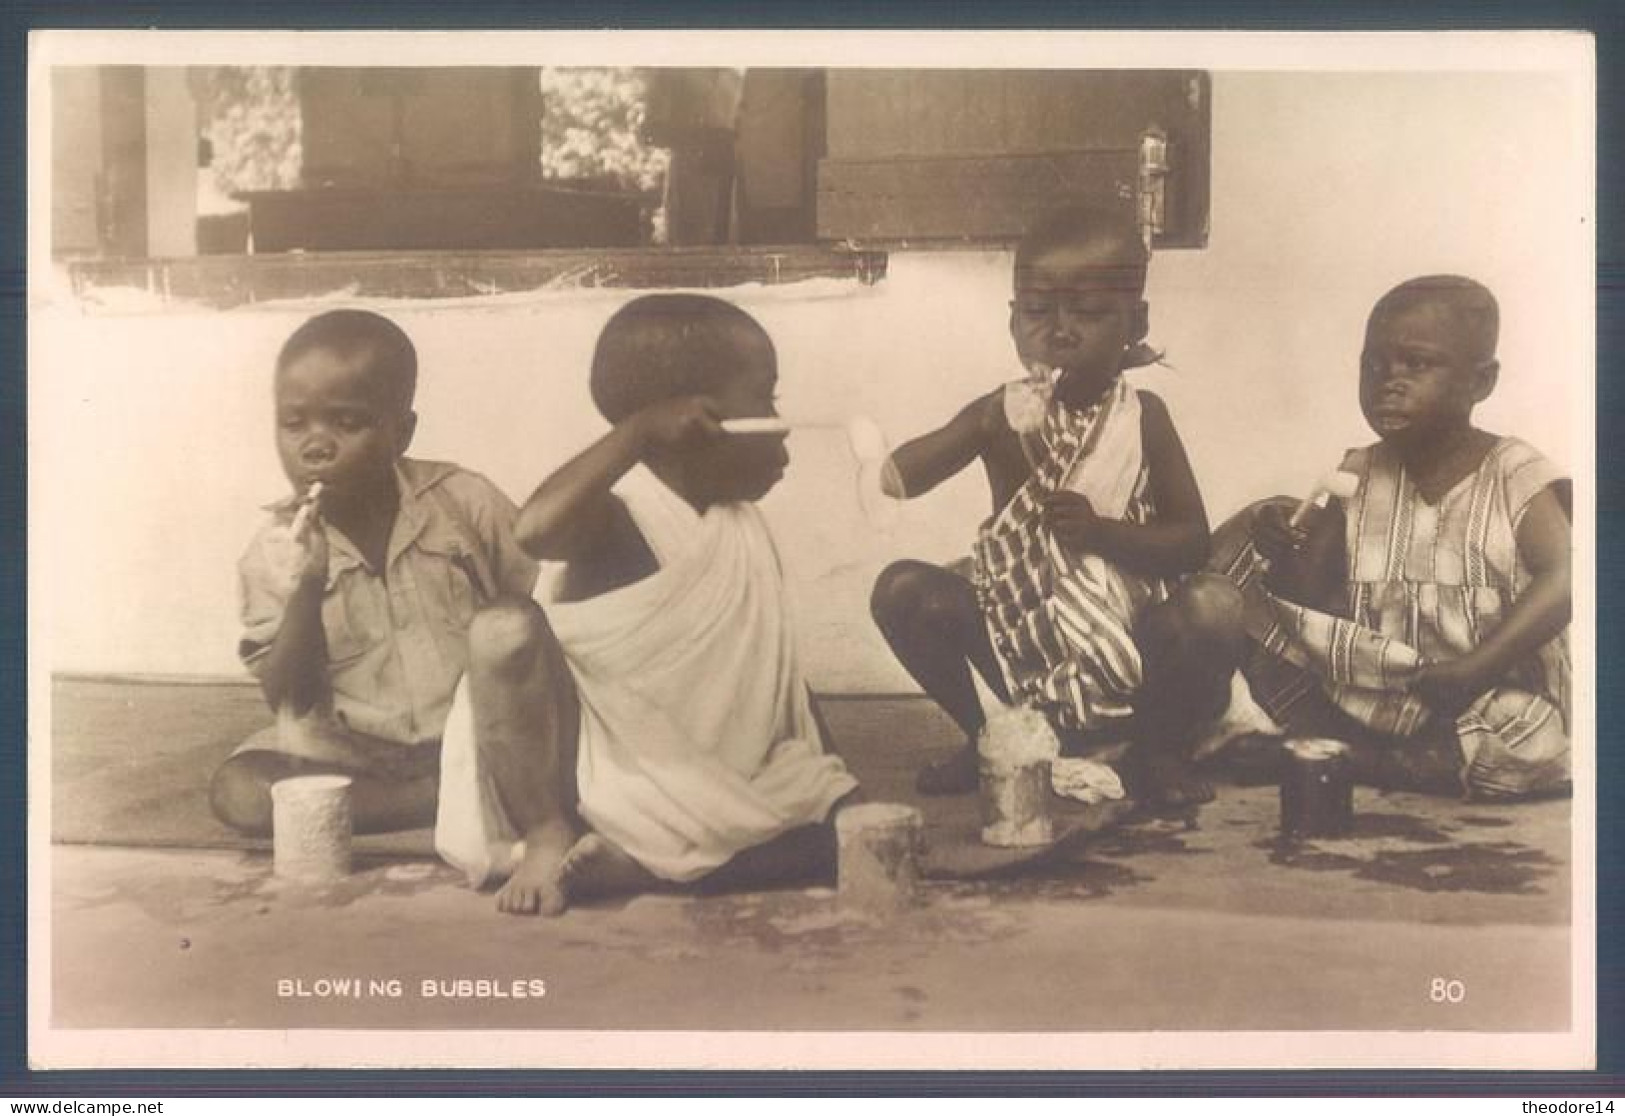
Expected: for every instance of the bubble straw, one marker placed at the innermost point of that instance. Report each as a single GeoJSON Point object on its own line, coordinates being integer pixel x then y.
{"type": "Point", "coordinates": [761, 426]}
{"type": "Point", "coordinates": [312, 494]}
{"type": "Point", "coordinates": [1335, 483]}
{"type": "Point", "coordinates": [879, 485]}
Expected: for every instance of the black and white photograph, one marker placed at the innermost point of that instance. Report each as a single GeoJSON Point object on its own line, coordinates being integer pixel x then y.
{"type": "Point", "coordinates": [811, 550]}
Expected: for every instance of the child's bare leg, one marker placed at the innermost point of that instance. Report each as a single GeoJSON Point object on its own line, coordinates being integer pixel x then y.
{"type": "Point", "coordinates": [933, 623]}
{"type": "Point", "coordinates": [240, 794]}
{"type": "Point", "coordinates": [1190, 646]}
{"type": "Point", "coordinates": [526, 722]}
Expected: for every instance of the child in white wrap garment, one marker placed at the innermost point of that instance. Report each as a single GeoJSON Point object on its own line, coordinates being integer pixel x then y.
{"type": "Point", "coordinates": [651, 726]}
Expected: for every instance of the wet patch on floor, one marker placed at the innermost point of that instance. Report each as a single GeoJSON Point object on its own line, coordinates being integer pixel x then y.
{"type": "Point", "coordinates": [1167, 837]}
{"type": "Point", "coordinates": [401, 879]}
{"type": "Point", "coordinates": [250, 880]}
{"type": "Point", "coordinates": [180, 897]}
{"type": "Point", "coordinates": [1370, 835]}
{"type": "Point", "coordinates": [1062, 881]}
{"type": "Point", "coordinates": [1503, 868]}
{"type": "Point", "coordinates": [814, 926]}
{"type": "Point", "coordinates": [1495, 868]}
{"type": "Point", "coordinates": [1402, 827]}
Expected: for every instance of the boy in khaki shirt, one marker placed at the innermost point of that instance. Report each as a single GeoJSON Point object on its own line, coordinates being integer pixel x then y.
{"type": "Point", "coordinates": [356, 612]}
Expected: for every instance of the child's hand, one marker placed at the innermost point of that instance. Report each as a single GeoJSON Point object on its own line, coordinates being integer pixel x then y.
{"type": "Point", "coordinates": [1449, 686]}
{"type": "Point", "coordinates": [1274, 538]}
{"type": "Point", "coordinates": [297, 557]}
{"type": "Point", "coordinates": [1283, 545]}
{"type": "Point", "coordinates": [678, 423]}
{"type": "Point", "coordinates": [1071, 518]}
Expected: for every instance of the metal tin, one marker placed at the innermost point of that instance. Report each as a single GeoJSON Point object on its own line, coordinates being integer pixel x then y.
{"type": "Point", "coordinates": [1317, 789]}
{"type": "Point", "coordinates": [1015, 804]}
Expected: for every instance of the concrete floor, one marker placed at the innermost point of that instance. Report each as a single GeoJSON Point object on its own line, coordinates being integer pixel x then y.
{"type": "Point", "coordinates": [1154, 926]}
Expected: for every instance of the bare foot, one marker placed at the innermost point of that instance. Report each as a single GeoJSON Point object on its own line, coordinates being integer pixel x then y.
{"type": "Point", "coordinates": [538, 885]}
{"type": "Point", "coordinates": [595, 866]}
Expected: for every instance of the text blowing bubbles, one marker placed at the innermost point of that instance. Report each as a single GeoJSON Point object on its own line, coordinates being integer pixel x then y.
{"type": "Point", "coordinates": [394, 988]}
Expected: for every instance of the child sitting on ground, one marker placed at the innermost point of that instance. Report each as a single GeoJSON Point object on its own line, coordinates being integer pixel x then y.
{"type": "Point", "coordinates": [1073, 604]}
{"type": "Point", "coordinates": [1423, 620]}
{"type": "Point", "coordinates": [356, 608]}
{"type": "Point", "coordinates": [652, 726]}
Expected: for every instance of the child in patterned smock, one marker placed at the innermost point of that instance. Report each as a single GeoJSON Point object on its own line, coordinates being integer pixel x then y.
{"type": "Point", "coordinates": [1423, 619]}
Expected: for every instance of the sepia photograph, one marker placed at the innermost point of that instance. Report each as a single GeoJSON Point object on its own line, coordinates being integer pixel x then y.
{"type": "Point", "coordinates": [811, 550]}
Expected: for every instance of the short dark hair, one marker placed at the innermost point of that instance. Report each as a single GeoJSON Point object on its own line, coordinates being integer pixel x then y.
{"type": "Point", "coordinates": [351, 332]}
{"type": "Point", "coordinates": [1467, 299]}
{"type": "Point", "coordinates": [1126, 259]}
{"type": "Point", "coordinates": [665, 345]}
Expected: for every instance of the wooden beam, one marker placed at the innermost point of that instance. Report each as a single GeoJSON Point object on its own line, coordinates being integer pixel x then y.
{"type": "Point", "coordinates": [228, 281]}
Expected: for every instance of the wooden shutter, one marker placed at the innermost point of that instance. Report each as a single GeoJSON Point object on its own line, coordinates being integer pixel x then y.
{"type": "Point", "coordinates": [975, 155]}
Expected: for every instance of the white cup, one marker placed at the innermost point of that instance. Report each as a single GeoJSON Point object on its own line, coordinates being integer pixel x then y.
{"type": "Point", "coordinates": [879, 846]}
{"type": "Point", "coordinates": [311, 826]}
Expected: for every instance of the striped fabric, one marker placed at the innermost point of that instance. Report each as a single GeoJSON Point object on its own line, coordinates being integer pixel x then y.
{"type": "Point", "coordinates": [1426, 582]}
{"type": "Point", "coordinates": [1061, 622]}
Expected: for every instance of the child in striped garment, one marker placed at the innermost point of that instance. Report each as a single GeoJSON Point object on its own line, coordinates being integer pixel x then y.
{"type": "Point", "coordinates": [1424, 618]}
{"type": "Point", "coordinates": [1078, 601]}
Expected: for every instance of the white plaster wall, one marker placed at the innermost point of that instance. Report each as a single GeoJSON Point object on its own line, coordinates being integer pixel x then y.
{"type": "Point", "coordinates": [151, 430]}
